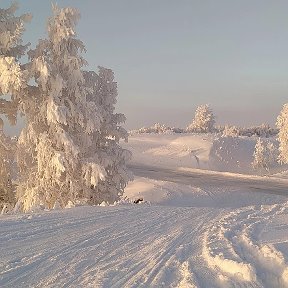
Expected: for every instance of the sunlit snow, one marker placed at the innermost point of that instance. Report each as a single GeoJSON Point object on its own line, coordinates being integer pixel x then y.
{"type": "Point", "coordinates": [184, 234]}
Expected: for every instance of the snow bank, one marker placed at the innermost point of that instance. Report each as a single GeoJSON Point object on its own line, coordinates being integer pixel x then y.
{"type": "Point", "coordinates": [234, 154]}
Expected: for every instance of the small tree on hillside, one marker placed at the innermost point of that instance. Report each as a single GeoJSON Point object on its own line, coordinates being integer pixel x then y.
{"type": "Point", "coordinates": [265, 155]}
{"type": "Point", "coordinates": [282, 125]}
{"type": "Point", "coordinates": [260, 156]}
{"type": "Point", "coordinates": [204, 120]}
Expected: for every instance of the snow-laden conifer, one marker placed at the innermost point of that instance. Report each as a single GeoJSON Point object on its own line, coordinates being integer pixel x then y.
{"type": "Point", "coordinates": [204, 120]}
{"type": "Point", "coordinates": [105, 141]}
{"type": "Point", "coordinates": [282, 125]}
{"type": "Point", "coordinates": [67, 148]}
{"type": "Point", "coordinates": [13, 78]}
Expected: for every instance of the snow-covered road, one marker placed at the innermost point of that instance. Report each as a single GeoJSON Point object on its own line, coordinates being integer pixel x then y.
{"type": "Point", "coordinates": [190, 176]}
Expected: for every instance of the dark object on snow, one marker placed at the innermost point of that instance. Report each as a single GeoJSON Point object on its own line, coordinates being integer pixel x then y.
{"type": "Point", "coordinates": [137, 201]}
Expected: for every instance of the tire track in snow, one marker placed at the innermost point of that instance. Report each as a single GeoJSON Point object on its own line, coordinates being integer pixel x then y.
{"type": "Point", "coordinates": [231, 249]}
{"type": "Point", "coordinates": [154, 256]}
{"type": "Point", "coordinates": [169, 256]}
{"type": "Point", "coordinates": [142, 250]}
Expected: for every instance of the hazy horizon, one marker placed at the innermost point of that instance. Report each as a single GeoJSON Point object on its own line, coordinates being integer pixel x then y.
{"type": "Point", "coordinates": [180, 118]}
{"type": "Point", "coordinates": [169, 57]}
{"type": "Point", "coordinates": [222, 118]}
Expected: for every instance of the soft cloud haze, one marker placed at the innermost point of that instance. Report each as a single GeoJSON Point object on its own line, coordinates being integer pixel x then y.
{"type": "Point", "coordinates": [170, 56]}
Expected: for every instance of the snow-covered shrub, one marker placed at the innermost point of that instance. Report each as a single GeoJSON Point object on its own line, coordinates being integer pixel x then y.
{"type": "Point", "coordinates": [232, 131]}
{"type": "Point", "coordinates": [263, 130]}
{"type": "Point", "coordinates": [68, 150]}
{"type": "Point", "coordinates": [264, 156]}
{"type": "Point", "coordinates": [282, 125]}
{"type": "Point", "coordinates": [204, 120]}
{"type": "Point", "coordinates": [157, 128]}
{"type": "Point", "coordinates": [160, 128]}
{"type": "Point", "coordinates": [227, 130]}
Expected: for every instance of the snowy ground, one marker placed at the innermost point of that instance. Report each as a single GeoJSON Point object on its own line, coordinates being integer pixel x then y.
{"type": "Point", "coordinates": [220, 230]}
{"type": "Point", "coordinates": [199, 151]}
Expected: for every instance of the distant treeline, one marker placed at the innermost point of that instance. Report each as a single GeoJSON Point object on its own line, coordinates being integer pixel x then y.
{"type": "Point", "coordinates": [263, 130]}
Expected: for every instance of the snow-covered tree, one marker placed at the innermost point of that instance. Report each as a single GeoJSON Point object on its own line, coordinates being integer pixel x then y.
{"type": "Point", "coordinates": [282, 125]}
{"type": "Point", "coordinates": [265, 155]}
{"type": "Point", "coordinates": [68, 150]}
{"type": "Point", "coordinates": [260, 160]}
{"type": "Point", "coordinates": [105, 142]}
{"type": "Point", "coordinates": [13, 78]}
{"type": "Point", "coordinates": [158, 129]}
{"type": "Point", "coordinates": [204, 120]}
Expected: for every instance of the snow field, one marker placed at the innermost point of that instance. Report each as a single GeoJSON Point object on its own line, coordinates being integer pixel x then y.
{"type": "Point", "coordinates": [199, 151]}
{"type": "Point", "coordinates": [196, 234]}
{"type": "Point", "coordinates": [170, 150]}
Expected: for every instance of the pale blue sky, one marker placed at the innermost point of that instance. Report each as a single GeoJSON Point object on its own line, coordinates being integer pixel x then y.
{"type": "Point", "coordinates": [170, 56]}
